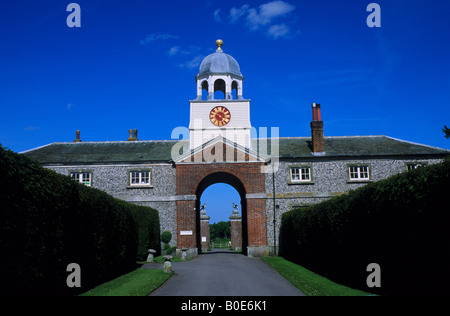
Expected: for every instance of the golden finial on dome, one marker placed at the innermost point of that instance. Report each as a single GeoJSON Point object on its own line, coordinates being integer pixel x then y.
{"type": "Point", "coordinates": [219, 44]}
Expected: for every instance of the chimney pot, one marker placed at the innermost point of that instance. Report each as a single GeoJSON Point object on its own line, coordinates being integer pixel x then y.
{"type": "Point", "coordinates": [135, 135]}
{"type": "Point", "coordinates": [77, 137]}
{"type": "Point", "coordinates": [314, 110]}
{"type": "Point", "coordinates": [130, 138]}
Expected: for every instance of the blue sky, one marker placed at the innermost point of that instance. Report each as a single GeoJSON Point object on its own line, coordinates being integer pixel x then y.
{"type": "Point", "coordinates": [132, 64]}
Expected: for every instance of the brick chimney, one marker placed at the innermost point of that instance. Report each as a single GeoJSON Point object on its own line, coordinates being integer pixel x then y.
{"type": "Point", "coordinates": [317, 132]}
{"type": "Point", "coordinates": [77, 137]}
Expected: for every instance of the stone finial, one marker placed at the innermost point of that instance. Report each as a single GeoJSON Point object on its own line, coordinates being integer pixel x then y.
{"type": "Point", "coordinates": [203, 216]}
{"type": "Point", "coordinates": [235, 214]}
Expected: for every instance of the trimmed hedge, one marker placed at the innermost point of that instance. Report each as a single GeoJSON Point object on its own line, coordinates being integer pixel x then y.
{"type": "Point", "coordinates": [48, 221]}
{"type": "Point", "coordinates": [401, 223]}
{"type": "Point", "coordinates": [147, 221]}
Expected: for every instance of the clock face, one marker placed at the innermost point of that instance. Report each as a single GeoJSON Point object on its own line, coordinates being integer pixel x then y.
{"type": "Point", "coordinates": [220, 116]}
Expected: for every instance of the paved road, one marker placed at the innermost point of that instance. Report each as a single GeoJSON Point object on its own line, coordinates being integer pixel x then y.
{"type": "Point", "coordinates": [224, 274]}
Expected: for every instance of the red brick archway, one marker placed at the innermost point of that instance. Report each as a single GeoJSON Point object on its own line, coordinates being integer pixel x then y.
{"type": "Point", "coordinates": [246, 178]}
{"type": "Point", "coordinates": [228, 178]}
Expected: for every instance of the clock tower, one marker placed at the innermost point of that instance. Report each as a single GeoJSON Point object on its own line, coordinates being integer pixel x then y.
{"type": "Point", "coordinates": [219, 109]}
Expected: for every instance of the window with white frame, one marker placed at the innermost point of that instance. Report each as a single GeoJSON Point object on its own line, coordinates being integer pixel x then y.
{"type": "Point", "coordinates": [82, 177]}
{"type": "Point", "coordinates": [358, 173]}
{"type": "Point", "coordinates": [300, 174]}
{"type": "Point", "coordinates": [412, 165]}
{"type": "Point", "coordinates": [140, 178]}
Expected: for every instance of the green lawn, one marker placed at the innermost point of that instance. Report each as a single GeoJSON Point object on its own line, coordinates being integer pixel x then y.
{"type": "Point", "coordinates": [308, 282]}
{"type": "Point", "coordinates": [140, 282]}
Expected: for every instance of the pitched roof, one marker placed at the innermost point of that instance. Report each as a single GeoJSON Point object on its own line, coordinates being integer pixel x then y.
{"type": "Point", "coordinates": [111, 152]}
{"type": "Point", "coordinates": [102, 152]}
{"type": "Point", "coordinates": [354, 146]}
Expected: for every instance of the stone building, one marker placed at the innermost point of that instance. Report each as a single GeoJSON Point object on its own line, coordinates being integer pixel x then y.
{"type": "Point", "coordinates": [272, 175]}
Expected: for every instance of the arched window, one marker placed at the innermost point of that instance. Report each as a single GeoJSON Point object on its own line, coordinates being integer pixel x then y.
{"type": "Point", "coordinates": [234, 90]}
{"type": "Point", "coordinates": [219, 85]}
{"type": "Point", "coordinates": [205, 90]}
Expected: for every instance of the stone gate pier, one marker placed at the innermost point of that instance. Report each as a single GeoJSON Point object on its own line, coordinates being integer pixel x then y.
{"type": "Point", "coordinates": [205, 233]}
{"type": "Point", "coordinates": [236, 231]}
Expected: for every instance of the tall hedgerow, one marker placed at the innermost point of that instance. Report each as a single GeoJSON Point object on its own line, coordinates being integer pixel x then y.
{"type": "Point", "coordinates": [48, 221]}
{"type": "Point", "coordinates": [401, 223]}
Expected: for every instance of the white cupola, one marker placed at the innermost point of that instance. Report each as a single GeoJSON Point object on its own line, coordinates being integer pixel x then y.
{"type": "Point", "coordinates": [227, 114]}
{"type": "Point", "coordinates": [219, 72]}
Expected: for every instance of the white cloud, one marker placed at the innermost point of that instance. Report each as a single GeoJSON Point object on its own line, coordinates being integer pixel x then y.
{"type": "Point", "coordinates": [31, 128]}
{"type": "Point", "coordinates": [156, 36]}
{"type": "Point", "coordinates": [190, 56]}
{"type": "Point", "coordinates": [237, 13]}
{"type": "Point", "coordinates": [278, 30]}
{"type": "Point", "coordinates": [267, 13]}
{"type": "Point", "coordinates": [173, 50]}
{"type": "Point", "coordinates": [193, 63]}
{"type": "Point", "coordinates": [274, 9]}
{"type": "Point", "coordinates": [217, 17]}
{"type": "Point", "coordinates": [177, 50]}
{"type": "Point", "coordinates": [263, 17]}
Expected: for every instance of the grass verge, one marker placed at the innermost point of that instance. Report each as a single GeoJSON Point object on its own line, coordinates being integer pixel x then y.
{"type": "Point", "coordinates": [308, 282]}
{"type": "Point", "coordinates": [140, 282]}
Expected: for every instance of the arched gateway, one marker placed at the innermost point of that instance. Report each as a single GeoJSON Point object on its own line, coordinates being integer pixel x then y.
{"type": "Point", "coordinates": [245, 177]}
{"type": "Point", "coordinates": [232, 180]}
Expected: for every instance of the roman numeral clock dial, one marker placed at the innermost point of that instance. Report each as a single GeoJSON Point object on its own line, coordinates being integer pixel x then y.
{"type": "Point", "coordinates": [220, 116]}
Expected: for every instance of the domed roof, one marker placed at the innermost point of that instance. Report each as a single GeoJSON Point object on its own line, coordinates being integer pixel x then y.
{"type": "Point", "coordinates": [219, 62]}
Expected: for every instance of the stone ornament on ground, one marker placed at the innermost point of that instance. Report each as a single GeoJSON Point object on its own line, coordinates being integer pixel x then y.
{"type": "Point", "coordinates": [167, 267]}
{"type": "Point", "coordinates": [150, 255]}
